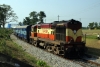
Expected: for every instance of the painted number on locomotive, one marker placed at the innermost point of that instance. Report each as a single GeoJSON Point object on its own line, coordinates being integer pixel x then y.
{"type": "Point", "coordinates": [45, 31]}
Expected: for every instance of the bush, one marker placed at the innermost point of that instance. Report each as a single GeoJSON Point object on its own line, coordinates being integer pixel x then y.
{"type": "Point", "coordinates": [41, 63]}
{"type": "Point", "coordinates": [5, 33]}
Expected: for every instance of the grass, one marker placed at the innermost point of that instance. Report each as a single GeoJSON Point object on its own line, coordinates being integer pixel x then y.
{"type": "Point", "coordinates": [8, 47]}
{"type": "Point", "coordinates": [92, 42]}
{"type": "Point", "coordinates": [91, 36]}
{"type": "Point", "coordinates": [91, 31]}
{"type": "Point", "coordinates": [93, 46]}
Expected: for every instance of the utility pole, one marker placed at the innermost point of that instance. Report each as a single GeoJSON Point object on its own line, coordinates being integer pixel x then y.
{"type": "Point", "coordinates": [58, 17]}
{"type": "Point", "coordinates": [45, 20]}
{"type": "Point", "coordinates": [80, 19]}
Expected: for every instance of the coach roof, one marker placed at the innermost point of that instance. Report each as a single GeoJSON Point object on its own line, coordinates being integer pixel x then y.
{"type": "Point", "coordinates": [25, 26]}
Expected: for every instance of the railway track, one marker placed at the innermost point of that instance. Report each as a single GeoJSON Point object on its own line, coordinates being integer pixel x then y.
{"type": "Point", "coordinates": [84, 62]}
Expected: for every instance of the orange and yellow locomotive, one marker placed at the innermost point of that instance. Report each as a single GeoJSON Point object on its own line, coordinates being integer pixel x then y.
{"type": "Point", "coordinates": [60, 37]}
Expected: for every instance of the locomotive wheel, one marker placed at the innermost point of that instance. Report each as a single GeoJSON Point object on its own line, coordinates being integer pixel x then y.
{"type": "Point", "coordinates": [35, 43]}
{"type": "Point", "coordinates": [55, 50]}
{"type": "Point", "coordinates": [67, 53]}
{"type": "Point", "coordinates": [32, 41]}
{"type": "Point", "coordinates": [48, 49]}
{"type": "Point", "coordinates": [44, 46]}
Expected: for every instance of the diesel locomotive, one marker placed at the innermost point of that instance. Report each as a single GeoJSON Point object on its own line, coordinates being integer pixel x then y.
{"type": "Point", "coordinates": [63, 38]}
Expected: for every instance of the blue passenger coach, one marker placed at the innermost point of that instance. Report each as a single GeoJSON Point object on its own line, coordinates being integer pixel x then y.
{"type": "Point", "coordinates": [23, 32]}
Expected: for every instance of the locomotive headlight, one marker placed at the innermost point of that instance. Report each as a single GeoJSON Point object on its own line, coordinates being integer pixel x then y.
{"type": "Point", "coordinates": [74, 31]}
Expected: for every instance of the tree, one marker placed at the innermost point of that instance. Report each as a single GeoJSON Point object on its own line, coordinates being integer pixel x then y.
{"type": "Point", "coordinates": [1, 16]}
{"type": "Point", "coordinates": [33, 17]}
{"type": "Point", "coordinates": [96, 25]}
{"type": "Point", "coordinates": [20, 23]}
{"type": "Point", "coordinates": [91, 25]}
{"type": "Point", "coordinates": [26, 21]}
{"type": "Point", "coordinates": [7, 14]}
{"type": "Point", "coordinates": [41, 15]}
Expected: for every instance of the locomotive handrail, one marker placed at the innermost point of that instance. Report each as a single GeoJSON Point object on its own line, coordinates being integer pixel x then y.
{"type": "Point", "coordinates": [84, 38]}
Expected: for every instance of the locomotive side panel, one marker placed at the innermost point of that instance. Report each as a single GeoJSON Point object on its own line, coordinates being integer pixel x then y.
{"type": "Point", "coordinates": [45, 32]}
{"type": "Point", "coordinates": [33, 32]}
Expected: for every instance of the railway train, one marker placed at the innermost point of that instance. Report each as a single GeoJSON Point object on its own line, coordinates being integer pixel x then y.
{"type": "Point", "coordinates": [62, 38]}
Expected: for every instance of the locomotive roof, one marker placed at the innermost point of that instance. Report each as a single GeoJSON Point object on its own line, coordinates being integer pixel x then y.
{"type": "Point", "coordinates": [65, 21]}
{"type": "Point", "coordinates": [58, 22]}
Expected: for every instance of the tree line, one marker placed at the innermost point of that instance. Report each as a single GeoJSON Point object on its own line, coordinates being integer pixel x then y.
{"type": "Point", "coordinates": [94, 25]}
{"type": "Point", "coordinates": [7, 15]}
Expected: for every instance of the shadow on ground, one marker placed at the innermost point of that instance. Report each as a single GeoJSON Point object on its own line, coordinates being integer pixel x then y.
{"type": "Point", "coordinates": [93, 51]}
{"type": "Point", "coordinates": [7, 61]}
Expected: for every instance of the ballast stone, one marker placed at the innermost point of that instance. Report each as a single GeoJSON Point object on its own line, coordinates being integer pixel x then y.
{"type": "Point", "coordinates": [50, 59]}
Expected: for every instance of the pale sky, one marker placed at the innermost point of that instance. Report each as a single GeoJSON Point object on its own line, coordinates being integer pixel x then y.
{"type": "Point", "coordinates": [84, 10]}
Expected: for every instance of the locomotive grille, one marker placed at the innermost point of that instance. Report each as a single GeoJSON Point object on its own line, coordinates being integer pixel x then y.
{"type": "Point", "coordinates": [60, 33]}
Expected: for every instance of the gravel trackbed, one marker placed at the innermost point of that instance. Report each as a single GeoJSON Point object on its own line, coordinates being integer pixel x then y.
{"type": "Point", "coordinates": [50, 59]}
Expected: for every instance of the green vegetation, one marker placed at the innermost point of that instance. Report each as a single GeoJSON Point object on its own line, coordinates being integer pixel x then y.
{"type": "Point", "coordinates": [8, 47]}
{"type": "Point", "coordinates": [41, 63]}
{"type": "Point", "coordinates": [91, 31]}
{"type": "Point", "coordinates": [6, 15]}
{"type": "Point", "coordinates": [92, 42]}
{"type": "Point", "coordinates": [34, 17]}
{"type": "Point", "coordinates": [93, 46]}
{"type": "Point", "coordinates": [94, 25]}
{"type": "Point", "coordinates": [91, 36]}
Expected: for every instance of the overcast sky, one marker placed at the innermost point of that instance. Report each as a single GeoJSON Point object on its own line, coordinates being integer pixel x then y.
{"type": "Point", "coordinates": [84, 10]}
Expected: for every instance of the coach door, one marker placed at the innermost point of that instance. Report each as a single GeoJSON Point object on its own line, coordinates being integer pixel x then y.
{"type": "Point", "coordinates": [60, 33]}
{"type": "Point", "coordinates": [35, 31]}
